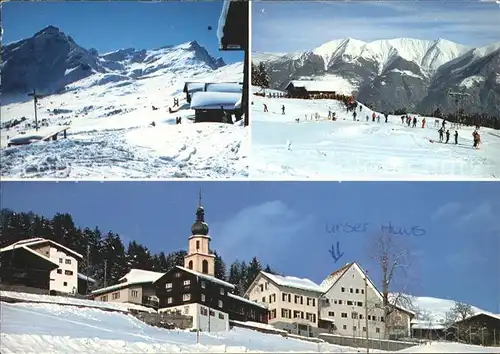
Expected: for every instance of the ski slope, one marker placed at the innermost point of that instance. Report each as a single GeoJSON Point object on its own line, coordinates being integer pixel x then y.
{"type": "Point", "coordinates": [111, 135]}
{"type": "Point", "coordinates": [42, 328]}
{"type": "Point", "coordinates": [347, 149]}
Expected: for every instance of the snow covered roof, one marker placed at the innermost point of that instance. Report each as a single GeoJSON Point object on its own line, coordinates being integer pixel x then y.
{"type": "Point", "coordinates": [317, 85]}
{"type": "Point", "coordinates": [36, 241]}
{"type": "Point", "coordinates": [215, 100]}
{"type": "Point", "coordinates": [293, 282]}
{"type": "Point", "coordinates": [479, 313]}
{"type": "Point", "coordinates": [207, 277]}
{"type": "Point", "coordinates": [135, 276]}
{"type": "Point", "coordinates": [246, 300]}
{"type": "Point", "coordinates": [86, 278]}
{"type": "Point", "coordinates": [194, 86]}
{"type": "Point", "coordinates": [224, 87]}
{"type": "Point", "coordinates": [222, 20]}
{"type": "Point", "coordinates": [427, 325]}
{"type": "Point", "coordinates": [334, 277]}
{"type": "Point", "coordinates": [25, 248]}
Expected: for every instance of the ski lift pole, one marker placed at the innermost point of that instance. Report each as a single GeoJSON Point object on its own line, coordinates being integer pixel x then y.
{"type": "Point", "coordinates": [35, 101]}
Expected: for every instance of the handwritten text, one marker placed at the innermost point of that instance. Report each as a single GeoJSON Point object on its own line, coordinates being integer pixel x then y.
{"type": "Point", "coordinates": [363, 227]}
{"type": "Point", "coordinates": [335, 252]}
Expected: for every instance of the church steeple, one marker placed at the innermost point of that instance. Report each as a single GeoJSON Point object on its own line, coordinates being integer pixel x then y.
{"type": "Point", "coordinates": [199, 257]}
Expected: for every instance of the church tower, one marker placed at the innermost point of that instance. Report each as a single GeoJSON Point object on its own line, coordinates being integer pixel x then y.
{"type": "Point", "coordinates": [199, 257]}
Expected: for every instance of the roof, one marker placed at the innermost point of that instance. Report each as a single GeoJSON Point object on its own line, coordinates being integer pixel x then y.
{"type": "Point", "coordinates": [207, 277]}
{"type": "Point", "coordinates": [293, 282]}
{"type": "Point", "coordinates": [427, 325]}
{"type": "Point", "coordinates": [239, 298]}
{"type": "Point", "coordinates": [480, 313]}
{"type": "Point", "coordinates": [194, 86]}
{"type": "Point", "coordinates": [316, 85]}
{"type": "Point", "coordinates": [234, 87]}
{"type": "Point", "coordinates": [86, 278]}
{"type": "Point", "coordinates": [38, 240]}
{"type": "Point", "coordinates": [215, 100]}
{"type": "Point", "coordinates": [29, 250]}
{"type": "Point", "coordinates": [133, 277]}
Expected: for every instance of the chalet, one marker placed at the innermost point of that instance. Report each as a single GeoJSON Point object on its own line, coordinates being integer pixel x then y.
{"type": "Point", "coordinates": [194, 290]}
{"type": "Point", "coordinates": [233, 33]}
{"type": "Point", "coordinates": [311, 89]}
{"type": "Point", "coordinates": [292, 302]}
{"type": "Point", "coordinates": [481, 328]}
{"type": "Point", "coordinates": [192, 87]}
{"type": "Point", "coordinates": [216, 106]}
{"type": "Point", "coordinates": [135, 287]}
{"type": "Point", "coordinates": [63, 278]}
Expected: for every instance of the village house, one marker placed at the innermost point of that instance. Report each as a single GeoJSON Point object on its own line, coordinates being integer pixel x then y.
{"type": "Point", "coordinates": [58, 265]}
{"type": "Point", "coordinates": [292, 302]}
{"type": "Point", "coordinates": [313, 89]}
{"type": "Point", "coordinates": [339, 305]}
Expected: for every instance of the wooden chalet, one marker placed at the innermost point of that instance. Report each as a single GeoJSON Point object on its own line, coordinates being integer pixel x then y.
{"type": "Point", "coordinates": [310, 89]}
{"type": "Point", "coordinates": [24, 267]}
{"type": "Point", "coordinates": [192, 87]}
{"type": "Point", "coordinates": [216, 107]}
{"type": "Point", "coordinates": [233, 33]}
{"type": "Point", "coordinates": [481, 328]}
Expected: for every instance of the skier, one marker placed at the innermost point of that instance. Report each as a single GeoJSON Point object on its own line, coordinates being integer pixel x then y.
{"type": "Point", "coordinates": [289, 145]}
{"type": "Point", "coordinates": [283, 109]}
{"type": "Point", "coordinates": [373, 116]}
{"type": "Point", "coordinates": [378, 118]}
{"type": "Point", "coordinates": [441, 131]}
{"type": "Point", "coordinates": [414, 122]}
{"type": "Point", "coordinates": [423, 123]}
{"type": "Point", "coordinates": [367, 118]}
{"type": "Point", "coordinates": [265, 108]}
{"type": "Point", "coordinates": [456, 137]}
{"type": "Point", "coordinates": [402, 119]}
{"type": "Point", "coordinates": [360, 108]}
{"type": "Point", "coordinates": [354, 114]}
{"type": "Point", "coordinates": [447, 136]}
{"type": "Point", "coordinates": [408, 120]}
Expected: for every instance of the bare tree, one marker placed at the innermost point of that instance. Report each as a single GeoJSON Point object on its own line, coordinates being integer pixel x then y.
{"type": "Point", "coordinates": [393, 258]}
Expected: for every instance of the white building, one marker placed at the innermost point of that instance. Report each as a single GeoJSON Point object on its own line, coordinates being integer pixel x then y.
{"type": "Point", "coordinates": [345, 305]}
{"type": "Point", "coordinates": [204, 318]}
{"type": "Point", "coordinates": [292, 302]}
{"type": "Point", "coordinates": [63, 279]}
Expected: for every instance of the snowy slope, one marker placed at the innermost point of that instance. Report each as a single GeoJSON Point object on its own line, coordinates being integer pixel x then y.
{"type": "Point", "coordinates": [110, 114]}
{"type": "Point", "coordinates": [43, 328]}
{"type": "Point", "coordinates": [347, 149]}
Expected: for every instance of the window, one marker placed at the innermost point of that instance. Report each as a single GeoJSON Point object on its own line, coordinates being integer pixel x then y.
{"type": "Point", "coordinates": [343, 290]}
{"type": "Point", "coordinates": [177, 275]}
{"type": "Point", "coordinates": [104, 298]}
{"type": "Point", "coordinates": [203, 297]}
{"type": "Point", "coordinates": [382, 319]}
{"type": "Point", "coordinates": [283, 297]}
{"type": "Point", "coordinates": [354, 328]}
{"type": "Point", "coordinates": [297, 299]}
{"type": "Point", "coordinates": [197, 245]}
{"type": "Point", "coordinates": [369, 317]}
{"type": "Point", "coordinates": [186, 297]}
{"type": "Point", "coordinates": [266, 285]}
{"type": "Point", "coordinates": [60, 260]}
{"type": "Point", "coordinates": [203, 284]}
{"type": "Point", "coordinates": [211, 313]}
{"type": "Point", "coordinates": [350, 290]}
{"type": "Point", "coordinates": [190, 265]}
{"type": "Point", "coordinates": [65, 283]}
{"type": "Point", "coordinates": [264, 299]}
{"type": "Point", "coordinates": [344, 327]}
{"type": "Point", "coordinates": [335, 302]}
{"type": "Point", "coordinates": [364, 329]}
{"type": "Point", "coordinates": [296, 314]}
{"type": "Point", "coordinates": [285, 313]}
{"type": "Point", "coordinates": [204, 311]}
{"type": "Point", "coordinates": [168, 286]}
{"type": "Point", "coordinates": [340, 302]}
{"type": "Point", "coordinates": [187, 282]}
{"type": "Point", "coordinates": [331, 313]}
{"type": "Point", "coordinates": [115, 296]}
{"type": "Point", "coordinates": [272, 314]}
{"type": "Point", "coordinates": [343, 315]}
{"type": "Point", "coordinates": [354, 315]}
{"type": "Point", "coordinates": [59, 271]}
{"type": "Point", "coordinates": [135, 293]}
{"type": "Point", "coordinates": [204, 266]}
{"type": "Point", "coordinates": [169, 300]}
{"type": "Point", "coordinates": [357, 292]}
{"type": "Point", "coordinates": [67, 261]}
{"type": "Point", "coordinates": [261, 287]}
{"type": "Point", "coordinates": [221, 303]}
{"type": "Point", "coordinates": [221, 316]}
{"type": "Point", "coordinates": [68, 272]}
{"type": "Point", "coordinates": [361, 316]}
{"type": "Point", "coordinates": [360, 304]}
{"type": "Point", "coordinates": [289, 297]}
{"type": "Point", "coordinates": [222, 291]}
{"type": "Point", "coordinates": [186, 310]}
{"type": "Point", "coordinates": [377, 330]}
{"type": "Point", "coordinates": [362, 291]}
{"type": "Point", "coordinates": [349, 303]}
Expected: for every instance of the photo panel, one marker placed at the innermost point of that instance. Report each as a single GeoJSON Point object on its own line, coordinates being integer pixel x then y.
{"type": "Point", "coordinates": [250, 266]}
{"type": "Point", "coordinates": [144, 90]}
{"type": "Point", "coordinates": [380, 90]}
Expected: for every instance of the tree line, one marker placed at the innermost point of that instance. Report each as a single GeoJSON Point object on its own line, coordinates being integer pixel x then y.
{"type": "Point", "coordinates": [105, 256]}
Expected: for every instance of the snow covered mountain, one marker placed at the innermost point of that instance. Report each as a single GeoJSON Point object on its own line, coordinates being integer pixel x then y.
{"type": "Point", "coordinates": [398, 73]}
{"type": "Point", "coordinates": [51, 60]}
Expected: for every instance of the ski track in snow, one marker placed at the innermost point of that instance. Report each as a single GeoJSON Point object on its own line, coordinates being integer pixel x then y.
{"type": "Point", "coordinates": [104, 144]}
{"type": "Point", "coordinates": [345, 149]}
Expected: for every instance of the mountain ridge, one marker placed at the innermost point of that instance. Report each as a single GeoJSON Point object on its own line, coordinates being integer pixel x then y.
{"type": "Point", "coordinates": [50, 60]}
{"type": "Point", "coordinates": [391, 74]}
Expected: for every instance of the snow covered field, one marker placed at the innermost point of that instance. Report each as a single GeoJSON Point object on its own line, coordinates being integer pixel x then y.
{"type": "Point", "coordinates": [44, 328]}
{"type": "Point", "coordinates": [347, 149]}
{"type": "Point", "coordinates": [110, 133]}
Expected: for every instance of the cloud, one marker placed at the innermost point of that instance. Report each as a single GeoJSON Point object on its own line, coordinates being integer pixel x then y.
{"type": "Point", "coordinates": [446, 210]}
{"type": "Point", "coordinates": [262, 230]}
{"type": "Point", "coordinates": [287, 30]}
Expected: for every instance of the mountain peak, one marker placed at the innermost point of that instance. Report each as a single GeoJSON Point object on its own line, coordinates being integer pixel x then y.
{"type": "Point", "coordinates": [48, 30]}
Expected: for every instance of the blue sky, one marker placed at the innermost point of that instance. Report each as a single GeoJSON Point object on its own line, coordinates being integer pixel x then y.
{"type": "Point", "coordinates": [282, 27]}
{"type": "Point", "coordinates": [285, 224]}
{"type": "Point", "coordinates": [112, 25]}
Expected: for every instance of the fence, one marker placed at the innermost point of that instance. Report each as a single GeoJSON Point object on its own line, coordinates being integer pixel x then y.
{"type": "Point", "coordinates": [373, 343]}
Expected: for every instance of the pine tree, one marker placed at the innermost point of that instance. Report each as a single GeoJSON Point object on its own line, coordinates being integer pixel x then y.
{"type": "Point", "coordinates": [220, 267]}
